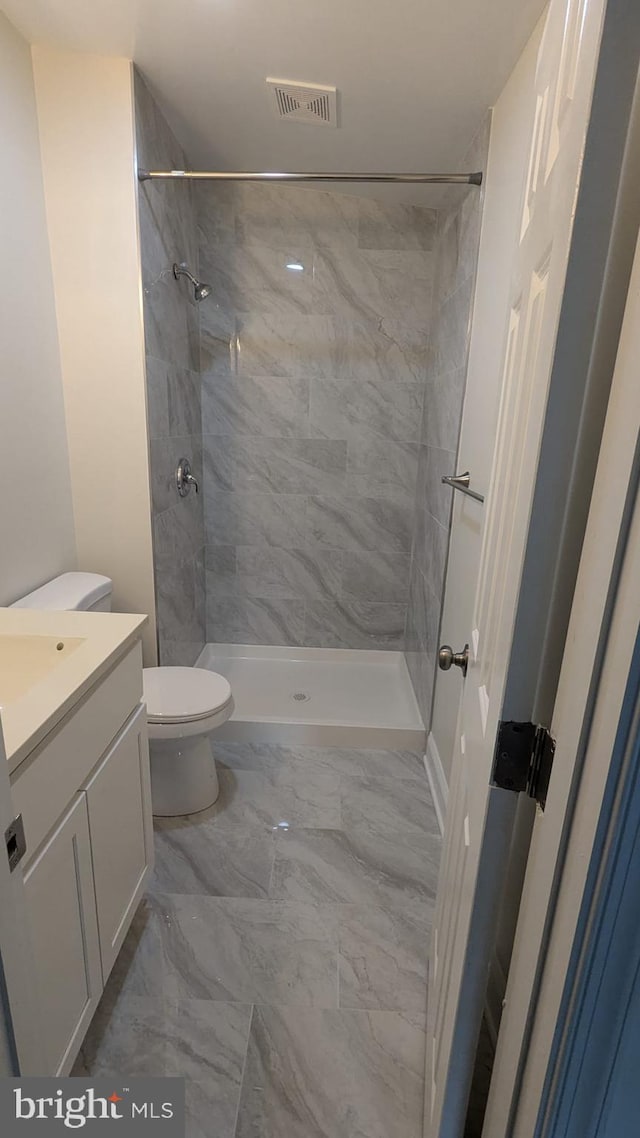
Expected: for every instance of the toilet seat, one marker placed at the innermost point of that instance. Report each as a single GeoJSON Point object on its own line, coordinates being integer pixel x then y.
{"type": "Point", "coordinates": [181, 696]}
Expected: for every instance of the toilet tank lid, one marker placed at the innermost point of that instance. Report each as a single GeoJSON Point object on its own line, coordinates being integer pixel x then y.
{"type": "Point", "coordinates": [66, 592]}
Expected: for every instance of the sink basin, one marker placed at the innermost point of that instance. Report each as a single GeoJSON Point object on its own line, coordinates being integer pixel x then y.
{"type": "Point", "coordinates": [26, 660]}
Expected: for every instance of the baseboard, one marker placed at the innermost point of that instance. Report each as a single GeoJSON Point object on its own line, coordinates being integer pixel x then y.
{"type": "Point", "coordinates": [437, 781]}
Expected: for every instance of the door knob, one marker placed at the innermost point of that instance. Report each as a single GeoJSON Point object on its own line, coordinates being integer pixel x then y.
{"type": "Point", "coordinates": [447, 657]}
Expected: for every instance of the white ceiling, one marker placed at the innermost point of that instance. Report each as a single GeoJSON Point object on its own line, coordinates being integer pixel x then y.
{"type": "Point", "coordinates": [414, 76]}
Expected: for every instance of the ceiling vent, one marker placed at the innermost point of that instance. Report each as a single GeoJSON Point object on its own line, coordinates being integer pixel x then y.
{"type": "Point", "coordinates": [304, 102]}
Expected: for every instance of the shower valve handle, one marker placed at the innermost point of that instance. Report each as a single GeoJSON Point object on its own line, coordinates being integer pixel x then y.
{"type": "Point", "coordinates": [185, 479]}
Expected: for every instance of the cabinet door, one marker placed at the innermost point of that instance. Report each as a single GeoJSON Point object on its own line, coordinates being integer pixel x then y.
{"type": "Point", "coordinates": [119, 799]}
{"type": "Point", "coordinates": [62, 913]}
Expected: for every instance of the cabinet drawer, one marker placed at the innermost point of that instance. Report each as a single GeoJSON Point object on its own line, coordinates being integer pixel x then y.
{"type": "Point", "coordinates": [48, 779]}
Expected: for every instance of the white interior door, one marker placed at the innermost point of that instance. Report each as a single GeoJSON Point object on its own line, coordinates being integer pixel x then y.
{"type": "Point", "coordinates": [16, 954]}
{"type": "Point", "coordinates": [479, 819]}
{"type": "Point", "coordinates": [602, 631]}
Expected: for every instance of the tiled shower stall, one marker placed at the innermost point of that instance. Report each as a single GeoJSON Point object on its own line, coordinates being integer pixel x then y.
{"type": "Point", "coordinates": [318, 394]}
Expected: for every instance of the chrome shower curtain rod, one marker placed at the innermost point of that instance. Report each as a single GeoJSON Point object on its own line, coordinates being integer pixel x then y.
{"type": "Point", "coordinates": [249, 176]}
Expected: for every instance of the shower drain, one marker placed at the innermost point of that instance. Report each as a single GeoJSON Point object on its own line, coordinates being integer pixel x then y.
{"type": "Point", "coordinates": [301, 696]}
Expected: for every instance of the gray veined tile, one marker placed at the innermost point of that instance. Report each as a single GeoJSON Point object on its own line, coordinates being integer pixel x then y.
{"type": "Point", "coordinates": [218, 340]}
{"type": "Point", "coordinates": [248, 951]}
{"type": "Point", "coordinates": [215, 208]}
{"type": "Point", "coordinates": [284, 215]}
{"type": "Point", "coordinates": [300, 345]}
{"type": "Point", "coordinates": [390, 805]}
{"type": "Point", "coordinates": [383, 468]}
{"type": "Point", "coordinates": [206, 1044]}
{"type": "Point", "coordinates": [418, 602]}
{"type": "Point", "coordinates": [381, 349]}
{"type": "Point", "coordinates": [382, 957]}
{"type": "Point", "coordinates": [375, 576]}
{"type": "Point", "coordinates": [436, 496]}
{"type": "Point", "coordinates": [451, 328]}
{"type": "Point", "coordinates": [178, 533]}
{"type": "Point", "coordinates": [431, 545]}
{"type": "Point", "coordinates": [347, 408]}
{"type": "Point", "coordinates": [258, 277]}
{"type": "Point", "coordinates": [288, 573]}
{"type": "Point", "coordinates": [343, 760]}
{"type": "Point", "coordinates": [221, 570]}
{"type": "Point", "coordinates": [358, 867]}
{"type": "Point", "coordinates": [355, 624]}
{"type": "Point", "coordinates": [271, 406]}
{"type": "Point", "coordinates": [157, 397]}
{"type": "Point", "coordinates": [254, 518]}
{"type": "Point", "coordinates": [218, 463]}
{"type": "Point", "coordinates": [184, 402]}
{"type": "Point", "coordinates": [332, 1074]}
{"type": "Point", "coordinates": [277, 799]}
{"type": "Point", "coordinates": [290, 466]}
{"type": "Point", "coordinates": [130, 1041]}
{"type": "Point", "coordinates": [255, 620]}
{"type": "Point", "coordinates": [138, 970]}
{"type": "Point", "coordinates": [359, 523]}
{"type": "Point", "coordinates": [442, 411]}
{"type": "Point", "coordinates": [193, 855]}
{"type": "Point", "coordinates": [180, 603]}
{"type": "Point", "coordinates": [392, 225]}
{"type": "Point", "coordinates": [374, 284]}
{"type": "Point", "coordinates": [202, 1041]}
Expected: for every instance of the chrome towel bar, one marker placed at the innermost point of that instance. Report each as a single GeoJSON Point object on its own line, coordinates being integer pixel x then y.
{"type": "Point", "coordinates": [461, 482]}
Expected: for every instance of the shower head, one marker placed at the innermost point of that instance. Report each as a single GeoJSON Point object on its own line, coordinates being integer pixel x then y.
{"type": "Point", "coordinates": [200, 289]}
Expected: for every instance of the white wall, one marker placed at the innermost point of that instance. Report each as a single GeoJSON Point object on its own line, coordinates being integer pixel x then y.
{"type": "Point", "coordinates": [85, 110]}
{"type": "Point", "coordinates": [36, 521]}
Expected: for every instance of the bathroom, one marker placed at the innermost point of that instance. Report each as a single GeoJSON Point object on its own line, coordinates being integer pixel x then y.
{"type": "Point", "coordinates": [235, 420]}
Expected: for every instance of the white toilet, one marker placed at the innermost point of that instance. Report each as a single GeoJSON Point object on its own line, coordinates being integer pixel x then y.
{"type": "Point", "coordinates": [184, 705]}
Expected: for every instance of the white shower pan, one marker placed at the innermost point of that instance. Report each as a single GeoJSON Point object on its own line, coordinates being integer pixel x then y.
{"type": "Point", "coordinates": [319, 696]}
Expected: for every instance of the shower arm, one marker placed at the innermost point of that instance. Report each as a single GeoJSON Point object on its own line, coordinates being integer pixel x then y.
{"type": "Point", "coordinates": [183, 271]}
{"type": "Point", "coordinates": [255, 176]}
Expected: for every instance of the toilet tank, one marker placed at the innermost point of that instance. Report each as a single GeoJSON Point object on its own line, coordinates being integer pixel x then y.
{"type": "Point", "coordinates": [88, 592]}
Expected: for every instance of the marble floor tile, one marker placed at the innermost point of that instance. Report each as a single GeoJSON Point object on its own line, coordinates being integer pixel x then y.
{"type": "Point", "coordinates": [248, 951]}
{"type": "Point", "coordinates": [368, 868]}
{"type": "Point", "coordinates": [343, 760]}
{"type": "Point", "coordinates": [332, 1074]}
{"type": "Point", "coordinates": [138, 970]}
{"type": "Point", "coordinates": [202, 1041]}
{"type": "Point", "coordinates": [382, 957]}
{"type": "Point", "coordinates": [194, 855]}
{"type": "Point", "coordinates": [324, 927]}
{"type": "Point", "coordinates": [206, 1044]}
{"type": "Point", "coordinates": [373, 804]}
{"type": "Point", "coordinates": [129, 1040]}
{"type": "Point", "coordinates": [277, 799]}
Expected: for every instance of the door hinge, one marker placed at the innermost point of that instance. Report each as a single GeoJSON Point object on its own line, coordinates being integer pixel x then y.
{"type": "Point", "coordinates": [16, 842]}
{"type": "Point", "coordinates": [523, 759]}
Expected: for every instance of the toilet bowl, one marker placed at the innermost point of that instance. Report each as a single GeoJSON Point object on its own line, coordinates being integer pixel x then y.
{"type": "Point", "coordinates": [184, 705]}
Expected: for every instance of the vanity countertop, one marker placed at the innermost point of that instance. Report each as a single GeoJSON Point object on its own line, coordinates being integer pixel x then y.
{"type": "Point", "coordinates": [48, 660]}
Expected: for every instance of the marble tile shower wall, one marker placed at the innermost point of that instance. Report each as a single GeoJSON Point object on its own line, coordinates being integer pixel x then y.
{"type": "Point", "coordinates": [456, 257]}
{"type": "Point", "coordinates": [313, 359]}
{"type": "Point", "coordinates": [168, 233]}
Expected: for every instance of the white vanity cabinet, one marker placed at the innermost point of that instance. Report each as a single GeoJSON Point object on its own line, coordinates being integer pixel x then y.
{"type": "Point", "coordinates": [118, 797]}
{"type": "Point", "coordinates": [62, 913]}
{"type": "Point", "coordinates": [85, 798]}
